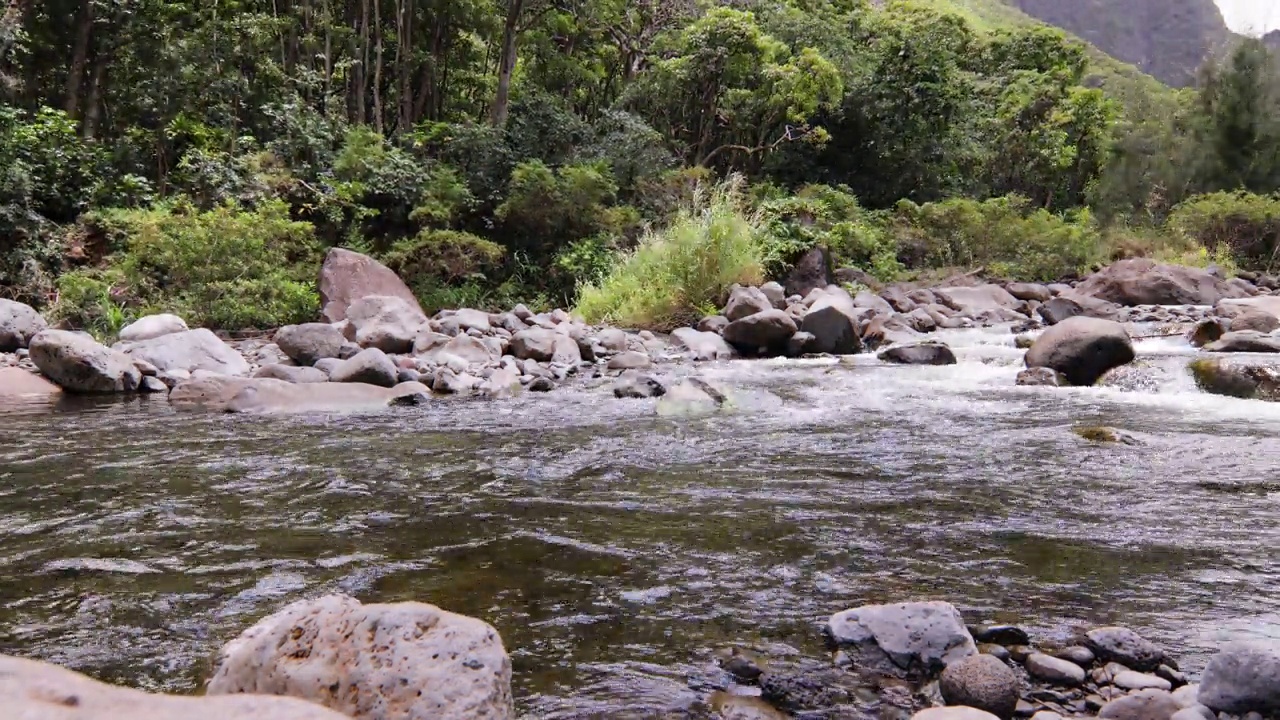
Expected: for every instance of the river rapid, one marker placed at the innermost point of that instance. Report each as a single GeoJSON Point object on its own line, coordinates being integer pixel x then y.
{"type": "Point", "coordinates": [616, 550]}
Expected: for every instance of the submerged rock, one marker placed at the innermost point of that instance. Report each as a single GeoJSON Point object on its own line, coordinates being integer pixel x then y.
{"type": "Point", "coordinates": [372, 662]}
{"type": "Point", "coordinates": [16, 382]}
{"type": "Point", "coordinates": [1205, 332]}
{"type": "Point", "coordinates": [19, 323]}
{"type": "Point", "coordinates": [1041, 377]}
{"type": "Point", "coordinates": [636, 385]}
{"type": "Point", "coordinates": [31, 690]}
{"type": "Point", "coordinates": [267, 395]}
{"type": "Point", "coordinates": [1100, 434]}
{"type": "Point", "coordinates": [983, 682]}
{"type": "Point", "coordinates": [925, 353]}
{"type": "Point", "coordinates": [1243, 677]}
{"type": "Point", "coordinates": [1082, 349]}
{"type": "Point", "coordinates": [1249, 382]}
{"type": "Point", "coordinates": [918, 637]}
{"type": "Point", "coordinates": [80, 364]}
{"type": "Point", "coordinates": [691, 396]}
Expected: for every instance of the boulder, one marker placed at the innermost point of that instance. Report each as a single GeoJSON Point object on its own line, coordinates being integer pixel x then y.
{"type": "Point", "coordinates": [503, 383]}
{"type": "Point", "coordinates": [691, 396]}
{"type": "Point", "coordinates": [270, 396]}
{"type": "Point", "coordinates": [1082, 349]}
{"type": "Point", "coordinates": [1134, 680]}
{"type": "Point", "coordinates": [447, 382]}
{"type": "Point", "coordinates": [1250, 382]}
{"type": "Point", "coordinates": [920, 320]}
{"type": "Point", "coordinates": [1141, 281]}
{"type": "Point", "coordinates": [19, 382]}
{"type": "Point", "coordinates": [31, 690]}
{"type": "Point", "coordinates": [370, 366]}
{"type": "Point", "coordinates": [1256, 320]}
{"type": "Point", "coordinates": [1229, 308]}
{"type": "Point", "coordinates": [812, 271]}
{"type": "Point", "coordinates": [347, 276]}
{"type": "Point", "coordinates": [976, 300]}
{"type": "Point", "coordinates": [409, 661]}
{"type": "Point", "coordinates": [1244, 341]}
{"type": "Point", "coordinates": [765, 332]}
{"type": "Point", "coordinates": [898, 299]}
{"type": "Point", "coordinates": [833, 321]}
{"type": "Point", "coordinates": [309, 343]}
{"type": "Point", "coordinates": [703, 345]}
{"type": "Point", "coordinates": [1055, 310]}
{"type": "Point", "coordinates": [469, 319]}
{"type": "Point", "coordinates": [802, 343]}
{"type": "Point", "coordinates": [1205, 332]}
{"type": "Point", "coordinates": [882, 330]}
{"type": "Point", "coordinates": [713, 323]}
{"type": "Point", "coordinates": [292, 374]}
{"type": "Point", "coordinates": [80, 364]}
{"type": "Point", "coordinates": [388, 323]}
{"type": "Point", "coordinates": [925, 353]}
{"type": "Point", "coordinates": [471, 350]}
{"type": "Point", "coordinates": [1141, 705]}
{"type": "Point", "coordinates": [612, 340]}
{"type": "Point", "coordinates": [547, 346]}
{"type": "Point", "coordinates": [983, 682]}
{"type": "Point", "coordinates": [152, 326]}
{"type": "Point", "coordinates": [776, 293]}
{"type": "Point", "coordinates": [190, 350]}
{"type": "Point", "coordinates": [629, 360]}
{"type": "Point", "coordinates": [18, 324]}
{"type": "Point", "coordinates": [1054, 670]}
{"type": "Point", "coordinates": [871, 301]}
{"type": "Point", "coordinates": [637, 385]}
{"type": "Point", "coordinates": [1243, 677]}
{"type": "Point", "coordinates": [745, 301]}
{"type": "Point", "coordinates": [1029, 291]}
{"type": "Point", "coordinates": [916, 637]}
{"type": "Point", "coordinates": [1124, 646]}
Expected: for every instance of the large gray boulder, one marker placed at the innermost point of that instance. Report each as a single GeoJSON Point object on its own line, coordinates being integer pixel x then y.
{"type": "Point", "coordinates": [916, 637]}
{"type": "Point", "coordinates": [833, 321]}
{"type": "Point", "coordinates": [271, 396]}
{"type": "Point", "coordinates": [1082, 349]}
{"type": "Point", "coordinates": [401, 661]}
{"type": "Point", "coordinates": [980, 300]}
{"type": "Point", "coordinates": [192, 350]}
{"type": "Point", "coordinates": [1243, 677]}
{"type": "Point", "coordinates": [80, 364]}
{"type": "Point", "coordinates": [1229, 307]}
{"type": "Point", "coordinates": [811, 272]}
{"type": "Point", "coordinates": [152, 326]}
{"type": "Point", "coordinates": [765, 332]}
{"type": "Point", "coordinates": [981, 681]}
{"type": "Point", "coordinates": [547, 346]}
{"type": "Point", "coordinates": [744, 301]}
{"type": "Point", "coordinates": [292, 373]}
{"type": "Point", "coordinates": [1256, 320]}
{"type": "Point", "coordinates": [703, 345]}
{"type": "Point", "coordinates": [31, 690]}
{"type": "Point", "coordinates": [309, 343]}
{"type": "Point", "coordinates": [1029, 291]}
{"type": "Point", "coordinates": [18, 324]}
{"type": "Point", "coordinates": [370, 366]}
{"type": "Point", "coordinates": [347, 276]}
{"type": "Point", "coordinates": [471, 349]}
{"type": "Point", "coordinates": [385, 322]}
{"type": "Point", "coordinates": [1145, 282]}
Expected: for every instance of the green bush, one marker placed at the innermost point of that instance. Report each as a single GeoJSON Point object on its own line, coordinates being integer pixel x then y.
{"type": "Point", "coordinates": [438, 264]}
{"type": "Point", "coordinates": [1246, 224]}
{"type": "Point", "coordinates": [92, 300]}
{"type": "Point", "coordinates": [684, 270]}
{"type": "Point", "coordinates": [1005, 235]}
{"type": "Point", "coordinates": [820, 215]}
{"type": "Point", "coordinates": [225, 268]}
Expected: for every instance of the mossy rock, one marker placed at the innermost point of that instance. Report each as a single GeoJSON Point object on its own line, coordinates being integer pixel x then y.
{"type": "Point", "coordinates": [1248, 382]}
{"type": "Point", "coordinates": [1100, 434]}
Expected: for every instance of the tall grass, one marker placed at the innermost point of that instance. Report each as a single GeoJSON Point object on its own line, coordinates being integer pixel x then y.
{"type": "Point", "coordinates": [680, 272]}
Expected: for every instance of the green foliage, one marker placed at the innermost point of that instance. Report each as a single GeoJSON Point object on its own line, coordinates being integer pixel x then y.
{"type": "Point", "coordinates": [1242, 225]}
{"type": "Point", "coordinates": [438, 259]}
{"type": "Point", "coordinates": [819, 215]}
{"type": "Point", "coordinates": [679, 271]}
{"type": "Point", "coordinates": [91, 300]}
{"type": "Point", "coordinates": [1005, 235]}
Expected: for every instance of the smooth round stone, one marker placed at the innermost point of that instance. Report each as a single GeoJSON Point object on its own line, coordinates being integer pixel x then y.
{"type": "Point", "coordinates": [1054, 670]}
{"type": "Point", "coordinates": [1077, 654]}
{"type": "Point", "coordinates": [1141, 705]}
{"type": "Point", "coordinates": [957, 712]}
{"type": "Point", "coordinates": [999, 652]}
{"type": "Point", "coordinates": [1132, 680]}
{"type": "Point", "coordinates": [981, 681]}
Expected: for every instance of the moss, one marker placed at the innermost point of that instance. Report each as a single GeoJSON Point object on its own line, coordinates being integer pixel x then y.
{"type": "Point", "coordinates": [1100, 434]}
{"type": "Point", "coordinates": [1213, 376]}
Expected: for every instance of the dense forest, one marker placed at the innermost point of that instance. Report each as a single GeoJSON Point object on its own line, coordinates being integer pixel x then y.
{"type": "Point", "coordinates": [199, 156]}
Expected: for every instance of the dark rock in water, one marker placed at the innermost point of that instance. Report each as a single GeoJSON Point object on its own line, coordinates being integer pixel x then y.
{"type": "Point", "coordinates": [832, 320]}
{"type": "Point", "coordinates": [743, 669]}
{"type": "Point", "coordinates": [812, 689]}
{"type": "Point", "coordinates": [1041, 377]}
{"type": "Point", "coordinates": [1077, 654]}
{"type": "Point", "coordinates": [1249, 382]}
{"type": "Point", "coordinates": [766, 332]}
{"type": "Point", "coordinates": [1024, 342]}
{"type": "Point", "coordinates": [811, 272]}
{"type": "Point", "coordinates": [983, 682]}
{"type": "Point", "coordinates": [1245, 341]}
{"type": "Point", "coordinates": [925, 353]}
{"type": "Point", "coordinates": [800, 344]}
{"type": "Point", "coordinates": [1020, 653]}
{"type": "Point", "coordinates": [1082, 349]}
{"type": "Point", "coordinates": [1103, 435]}
{"type": "Point", "coordinates": [1057, 309]}
{"type": "Point", "coordinates": [1141, 705]}
{"type": "Point", "coordinates": [1205, 332]}
{"type": "Point", "coordinates": [1006, 635]}
{"type": "Point", "coordinates": [542, 384]}
{"type": "Point", "coordinates": [1124, 646]}
{"type": "Point", "coordinates": [1243, 677]}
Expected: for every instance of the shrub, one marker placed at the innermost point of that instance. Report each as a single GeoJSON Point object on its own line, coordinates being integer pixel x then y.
{"type": "Point", "coordinates": [1246, 224]}
{"type": "Point", "coordinates": [224, 268]}
{"type": "Point", "coordinates": [1004, 235]}
{"type": "Point", "coordinates": [436, 260]}
{"type": "Point", "coordinates": [678, 273]}
{"type": "Point", "coordinates": [820, 215]}
{"type": "Point", "coordinates": [92, 300]}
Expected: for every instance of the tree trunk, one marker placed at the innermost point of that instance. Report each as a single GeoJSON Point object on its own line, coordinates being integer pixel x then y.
{"type": "Point", "coordinates": [93, 105]}
{"type": "Point", "coordinates": [377, 67]}
{"type": "Point", "coordinates": [506, 63]}
{"type": "Point", "coordinates": [79, 58]}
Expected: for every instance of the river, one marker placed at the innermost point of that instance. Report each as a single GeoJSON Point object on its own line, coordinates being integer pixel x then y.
{"type": "Point", "coordinates": [616, 550]}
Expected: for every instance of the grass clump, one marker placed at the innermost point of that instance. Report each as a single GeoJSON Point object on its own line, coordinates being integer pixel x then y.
{"type": "Point", "coordinates": [682, 271]}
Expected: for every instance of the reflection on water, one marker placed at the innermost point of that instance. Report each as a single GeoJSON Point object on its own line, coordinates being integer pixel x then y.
{"type": "Point", "coordinates": [614, 550]}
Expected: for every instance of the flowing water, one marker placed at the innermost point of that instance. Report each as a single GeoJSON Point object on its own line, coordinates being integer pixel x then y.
{"type": "Point", "coordinates": [614, 550]}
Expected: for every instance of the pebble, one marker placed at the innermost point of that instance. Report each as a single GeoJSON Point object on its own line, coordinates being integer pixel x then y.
{"type": "Point", "coordinates": [1077, 654]}
{"type": "Point", "coordinates": [1054, 670]}
{"type": "Point", "coordinates": [1131, 680]}
{"type": "Point", "coordinates": [999, 652]}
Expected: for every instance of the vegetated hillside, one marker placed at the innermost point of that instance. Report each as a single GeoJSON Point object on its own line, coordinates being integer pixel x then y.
{"type": "Point", "coordinates": [1169, 39]}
